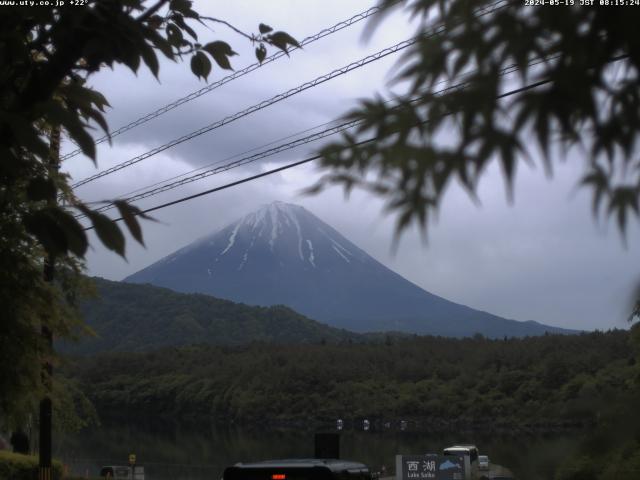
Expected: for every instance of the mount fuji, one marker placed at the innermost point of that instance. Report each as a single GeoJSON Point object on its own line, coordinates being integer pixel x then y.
{"type": "Point", "coordinates": [283, 254]}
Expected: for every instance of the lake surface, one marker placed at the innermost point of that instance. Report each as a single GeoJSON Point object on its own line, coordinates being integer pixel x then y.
{"type": "Point", "coordinates": [175, 452]}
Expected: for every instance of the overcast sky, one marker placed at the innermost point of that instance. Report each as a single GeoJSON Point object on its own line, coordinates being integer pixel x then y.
{"type": "Point", "coordinates": [541, 258]}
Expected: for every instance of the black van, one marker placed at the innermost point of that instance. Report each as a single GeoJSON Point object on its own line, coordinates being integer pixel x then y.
{"type": "Point", "coordinates": [299, 469]}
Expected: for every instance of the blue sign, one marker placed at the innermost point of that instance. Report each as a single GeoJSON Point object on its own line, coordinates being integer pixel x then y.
{"type": "Point", "coordinates": [430, 467]}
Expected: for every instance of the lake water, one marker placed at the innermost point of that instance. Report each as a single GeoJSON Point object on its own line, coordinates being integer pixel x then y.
{"type": "Point", "coordinates": [172, 452]}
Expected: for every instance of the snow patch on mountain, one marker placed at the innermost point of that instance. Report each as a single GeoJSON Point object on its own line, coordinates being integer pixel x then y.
{"type": "Point", "coordinates": [341, 254]}
{"type": "Point", "coordinates": [244, 260]}
{"type": "Point", "coordinates": [232, 238]}
{"type": "Point", "coordinates": [340, 247]}
{"type": "Point", "coordinates": [311, 255]}
{"type": "Point", "coordinates": [275, 224]}
{"type": "Point", "coordinates": [290, 215]}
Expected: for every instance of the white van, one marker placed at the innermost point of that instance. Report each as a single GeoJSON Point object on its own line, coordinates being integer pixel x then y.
{"type": "Point", "coordinates": [470, 454]}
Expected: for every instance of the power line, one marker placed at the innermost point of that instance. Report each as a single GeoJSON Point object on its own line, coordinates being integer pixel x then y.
{"type": "Point", "coordinates": [250, 110]}
{"type": "Point", "coordinates": [198, 93]}
{"type": "Point", "coordinates": [223, 187]}
{"type": "Point", "coordinates": [282, 96]}
{"type": "Point", "coordinates": [298, 163]}
{"type": "Point", "coordinates": [238, 163]}
{"type": "Point", "coordinates": [218, 162]}
{"type": "Point", "coordinates": [182, 179]}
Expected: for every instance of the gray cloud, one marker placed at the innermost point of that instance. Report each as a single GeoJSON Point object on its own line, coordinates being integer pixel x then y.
{"type": "Point", "coordinates": [543, 258]}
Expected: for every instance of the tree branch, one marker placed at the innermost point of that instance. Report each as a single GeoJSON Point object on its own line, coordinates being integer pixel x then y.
{"type": "Point", "coordinates": [151, 10]}
{"type": "Point", "coordinates": [250, 37]}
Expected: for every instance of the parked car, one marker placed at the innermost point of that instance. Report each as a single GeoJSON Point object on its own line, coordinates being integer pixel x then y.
{"type": "Point", "coordinates": [295, 469]}
{"type": "Point", "coordinates": [483, 462]}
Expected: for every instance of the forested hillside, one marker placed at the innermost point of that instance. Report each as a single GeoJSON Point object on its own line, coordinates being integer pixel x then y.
{"type": "Point", "coordinates": [547, 382]}
{"type": "Point", "coordinates": [128, 317]}
{"type": "Point", "coordinates": [282, 254]}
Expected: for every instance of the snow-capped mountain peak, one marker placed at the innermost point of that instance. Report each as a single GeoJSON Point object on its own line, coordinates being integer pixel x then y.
{"type": "Point", "coordinates": [283, 254]}
{"type": "Point", "coordinates": [289, 231]}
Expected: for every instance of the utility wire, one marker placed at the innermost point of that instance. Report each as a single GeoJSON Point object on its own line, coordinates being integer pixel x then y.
{"type": "Point", "coordinates": [238, 163]}
{"type": "Point", "coordinates": [163, 186]}
{"type": "Point", "coordinates": [198, 93]}
{"type": "Point", "coordinates": [296, 164]}
{"type": "Point", "coordinates": [250, 110]}
{"type": "Point", "coordinates": [282, 96]}
{"type": "Point", "coordinates": [223, 187]}
{"type": "Point", "coordinates": [218, 162]}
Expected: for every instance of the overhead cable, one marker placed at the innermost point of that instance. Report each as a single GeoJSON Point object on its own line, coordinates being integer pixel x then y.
{"type": "Point", "coordinates": [216, 168]}
{"type": "Point", "coordinates": [295, 164]}
{"type": "Point", "coordinates": [237, 74]}
{"type": "Point", "coordinates": [230, 158]}
{"type": "Point", "coordinates": [282, 96]}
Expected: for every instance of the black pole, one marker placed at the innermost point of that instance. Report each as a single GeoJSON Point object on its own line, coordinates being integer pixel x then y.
{"type": "Point", "coordinates": [45, 449]}
{"type": "Point", "coordinates": [45, 419]}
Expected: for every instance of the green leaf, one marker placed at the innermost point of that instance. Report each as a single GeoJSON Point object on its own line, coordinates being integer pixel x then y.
{"type": "Point", "coordinates": [150, 59]}
{"type": "Point", "coordinates": [107, 230]}
{"type": "Point", "coordinates": [200, 65]}
{"type": "Point", "coordinates": [129, 214]}
{"type": "Point", "coordinates": [51, 236]}
{"type": "Point", "coordinates": [191, 14]}
{"type": "Point", "coordinates": [174, 35]}
{"type": "Point", "coordinates": [82, 138]}
{"type": "Point", "coordinates": [180, 5]}
{"type": "Point", "coordinates": [220, 51]}
{"type": "Point", "coordinates": [41, 189]}
{"type": "Point", "coordinates": [179, 19]}
{"type": "Point", "coordinates": [75, 236]}
{"type": "Point", "coordinates": [261, 53]}
{"type": "Point", "coordinates": [160, 42]}
{"type": "Point", "coordinates": [281, 40]}
{"type": "Point", "coordinates": [155, 21]}
{"type": "Point", "coordinates": [97, 117]}
{"type": "Point", "coordinates": [130, 57]}
{"type": "Point", "coordinates": [57, 231]}
{"type": "Point", "coordinates": [81, 95]}
{"type": "Point", "coordinates": [25, 133]}
{"type": "Point", "coordinates": [264, 28]}
{"type": "Point", "coordinates": [184, 7]}
{"type": "Point", "coordinates": [56, 114]}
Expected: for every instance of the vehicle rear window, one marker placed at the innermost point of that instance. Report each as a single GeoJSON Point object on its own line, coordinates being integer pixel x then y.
{"type": "Point", "coordinates": [238, 473]}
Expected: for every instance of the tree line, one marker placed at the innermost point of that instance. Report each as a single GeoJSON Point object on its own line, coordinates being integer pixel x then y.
{"type": "Point", "coordinates": [537, 382]}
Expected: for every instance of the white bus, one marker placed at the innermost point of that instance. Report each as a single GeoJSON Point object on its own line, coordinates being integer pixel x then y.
{"type": "Point", "coordinates": [470, 454]}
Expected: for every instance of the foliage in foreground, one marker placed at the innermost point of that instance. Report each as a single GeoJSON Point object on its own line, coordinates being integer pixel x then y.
{"type": "Point", "coordinates": [14, 466]}
{"type": "Point", "coordinates": [540, 382]}
{"type": "Point", "coordinates": [47, 57]}
{"type": "Point", "coordinates": [574, 88]}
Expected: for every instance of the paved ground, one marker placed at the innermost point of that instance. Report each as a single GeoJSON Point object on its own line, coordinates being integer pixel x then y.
{"type": "Point", "coordinates": [498, 471]}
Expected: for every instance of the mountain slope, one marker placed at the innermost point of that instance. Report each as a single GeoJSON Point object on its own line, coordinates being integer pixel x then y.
{"type": "Point", "coordinates": [282, 254]}
{"type": "Point", "coordinates": [131, 318]}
